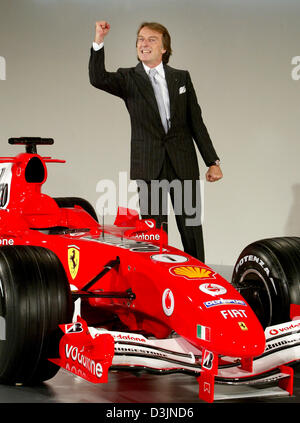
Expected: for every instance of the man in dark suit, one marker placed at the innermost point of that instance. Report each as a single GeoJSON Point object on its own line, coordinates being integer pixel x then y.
{"type": "Point", "coordinates": [165, 119]}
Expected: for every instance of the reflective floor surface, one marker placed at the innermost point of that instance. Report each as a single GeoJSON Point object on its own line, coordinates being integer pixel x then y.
{"type": "Point", "coordinates": [126, 387]}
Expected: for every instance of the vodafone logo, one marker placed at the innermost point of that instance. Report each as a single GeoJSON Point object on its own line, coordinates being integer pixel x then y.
{"type": "Point", "coordinates": [284, 328]}
{"type": "Point", "coordinates": [128, 338]}
{"type": "Point", "coordinates": [168, 302]}
{"type": "Point", "coordinates": [88, 363]}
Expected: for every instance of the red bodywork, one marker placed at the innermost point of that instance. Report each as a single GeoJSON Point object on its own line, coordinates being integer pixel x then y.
{"type": "Point", "coordinates": [172, 291]}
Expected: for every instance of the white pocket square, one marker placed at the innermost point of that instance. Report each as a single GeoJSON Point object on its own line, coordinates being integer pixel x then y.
{"type": "Point", "coordinates": [182, 89]}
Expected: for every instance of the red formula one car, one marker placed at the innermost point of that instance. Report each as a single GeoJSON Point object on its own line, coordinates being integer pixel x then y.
{"type": "Point", "coordinates": [88, 297]}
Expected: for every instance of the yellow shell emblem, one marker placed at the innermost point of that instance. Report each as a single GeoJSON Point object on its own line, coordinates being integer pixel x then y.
{"type": "Point", "coordinates": [73, 260]}
{"type": "Point", "coordinates": [193, 272]}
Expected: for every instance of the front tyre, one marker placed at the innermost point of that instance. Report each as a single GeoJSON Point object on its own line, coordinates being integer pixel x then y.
{"type": "Point", "coordinates": [34, 299]}
{"type": "Point", "coordinates": [267, 274]}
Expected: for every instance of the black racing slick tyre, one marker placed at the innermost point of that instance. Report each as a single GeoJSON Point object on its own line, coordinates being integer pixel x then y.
{"type": "Point", "coordinates": [34, 299]}
{"type": "Point", "coordinates": [76, 201]}
{"type": "Point", "coordinates": [267, 274]}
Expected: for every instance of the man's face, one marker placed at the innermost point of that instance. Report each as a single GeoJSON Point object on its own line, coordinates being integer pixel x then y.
{"type": "Point", "coordinates": [150, 47]}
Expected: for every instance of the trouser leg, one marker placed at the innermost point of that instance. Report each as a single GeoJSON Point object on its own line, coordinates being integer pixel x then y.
{"type": "Point", "coordinates": [153, 205]}
{"type": "Point", "coordinates": [186, 202]}
{"type": "Point", "coordinates": [189, 220]}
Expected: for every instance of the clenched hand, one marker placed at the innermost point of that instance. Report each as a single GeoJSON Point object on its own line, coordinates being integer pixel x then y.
{"type": "Point", "coordinates": [101, 30]}
{"type": "Point", "coordinates": [214, 173]}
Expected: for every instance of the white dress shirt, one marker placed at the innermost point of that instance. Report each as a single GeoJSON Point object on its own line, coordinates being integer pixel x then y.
{"type": "Point", "coordinates": [161, 79]}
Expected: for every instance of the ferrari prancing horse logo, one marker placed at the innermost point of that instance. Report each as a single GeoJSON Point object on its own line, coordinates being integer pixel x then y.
{"type": "Point", "coordinates": [73, 260]}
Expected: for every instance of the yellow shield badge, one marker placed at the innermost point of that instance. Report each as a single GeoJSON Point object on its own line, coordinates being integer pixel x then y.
{"type": "Point", "coordinates": [73, 260]}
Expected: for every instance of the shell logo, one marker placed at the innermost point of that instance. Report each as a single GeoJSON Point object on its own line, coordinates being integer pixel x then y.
{"type": "Point", "coordinates": [193, 272]}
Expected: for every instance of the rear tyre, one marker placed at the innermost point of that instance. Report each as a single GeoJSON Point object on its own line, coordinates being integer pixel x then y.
{"type": "Point", "coordinates": [76, 201]}
{"type": "Point", "coordinates": [34, 299]}
{"type": "Point", "coordinates": [267, 273]}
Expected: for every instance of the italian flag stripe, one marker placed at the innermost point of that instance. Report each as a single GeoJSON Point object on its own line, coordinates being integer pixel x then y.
{"type": "Point", "coordinates": [203, 332]}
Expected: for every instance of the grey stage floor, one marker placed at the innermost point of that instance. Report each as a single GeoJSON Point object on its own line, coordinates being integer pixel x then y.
{"type": "Point", "coordinates": [126, 387]}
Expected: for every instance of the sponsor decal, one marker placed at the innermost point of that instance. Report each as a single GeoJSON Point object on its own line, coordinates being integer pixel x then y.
{"type": "Point", "coordinates": [73, 260]}
{"type": "Point", "coordinates": [5, 241]}
{"type": "Point", "coordinates": [222, 301]}
{"type": "Point", "coordinates": [212, 289]}
{"type": "Point", "coordinates": [147, 237]}
{"type": "Point", "coordinates": [193, 272]}
{"type": "Point", "coordinates": [206, 387]}
{"type": "Point", "coordinates": [282, 344]}
{"type": "Point", "coordinates": [168, 302]}
{"type": "Point", "coordinates": [76, 371]}
{"type": "Point", "coordinates": [255, 259]}
{"type": "Point", "coordinates": [204, 333]}
{"type": "Point", "coordinates": [208, 359]}
{"type": "Point", "coordinates": [283, 328]}
{"type": "Point", "coordinates": [73, 327]}
{"type": "Point", "coordinates": [149, 223]}
{"type": "Point", "coordinates": [242, 326]}
{"type": "Point", "coordinates": [169, 258]}
{"type": "Point", "coordinates": [233, 313]}
{"type": "Point", "coordinates": [128, 337]}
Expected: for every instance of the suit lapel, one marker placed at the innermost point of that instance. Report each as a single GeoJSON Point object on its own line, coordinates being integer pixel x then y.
{"type": "Point", "coordinates": [172, 83]}
{"type": "Point", "coordinates": [143, 82]}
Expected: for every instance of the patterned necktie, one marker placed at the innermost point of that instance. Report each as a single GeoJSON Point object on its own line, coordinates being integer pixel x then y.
{"type": "Point", "coordinates": [159, 99]}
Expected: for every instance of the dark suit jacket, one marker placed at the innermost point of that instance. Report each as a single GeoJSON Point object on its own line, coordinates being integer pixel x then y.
{"type": "Point", "coordinates": [149, 142]}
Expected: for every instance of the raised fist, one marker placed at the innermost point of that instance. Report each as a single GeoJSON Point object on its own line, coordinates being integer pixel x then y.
{"type": "Point", "coordinates": [102, 29]}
